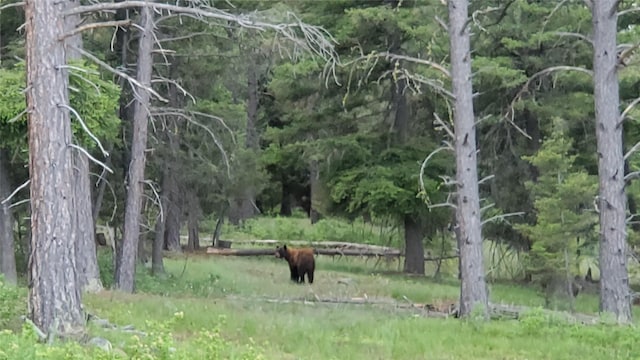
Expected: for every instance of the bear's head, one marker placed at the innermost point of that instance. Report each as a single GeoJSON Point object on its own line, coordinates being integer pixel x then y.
{"type": "Point", "coordinates": [281, 252]}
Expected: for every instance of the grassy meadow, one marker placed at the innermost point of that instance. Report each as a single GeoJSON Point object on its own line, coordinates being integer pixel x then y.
{"type": "Point", "coordinates": [214, 307]}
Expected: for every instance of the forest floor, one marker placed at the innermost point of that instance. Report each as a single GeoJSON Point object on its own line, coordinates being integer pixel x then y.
{"type": "Point", "coordinates": [253, 304]}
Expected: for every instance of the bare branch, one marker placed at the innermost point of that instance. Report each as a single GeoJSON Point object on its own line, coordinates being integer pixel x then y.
{"type": "Point", "coordinates": [446, 204]}
{"type": "Point", "coordinates": [17, 117]}
{"type": "Point", "coordinates": [177, 85]}
{"type": "Point", "coordinates": [488, 10]}
{"type": "Point", "coordinates": [91, 26]}
{"type": "Point", "coordinates": [189, 118]}
{"type": "Point", "coordinates": [15, 192]}
{"type": "Point", "coordinates": [315, 40]}
{"type": "Point", "coordinates": [424, 164]}
{"type": "Point", "coordinates": [82, 150]}
{"type": "Point", "coordinates": [19, 203]}
{"type": "Point", "coordinates": [119, 73]}
{"type": "Point", "coordinates": [632, 150]}
{"type": "Point", "coordinates": [631, 175]}
{"type": "Point", "coordinates": [157, 199]}
{"type": "Point", "coordinates": [486, 178]}
{"type": "Point", "coordinates": [390, 56]}
{"type": "Point", "coordinates": [445, 126]}
{"type": "Point", "coordinates": [502, 216]}
{"type": "Point", "coordinates": [510, 115]}
{"type": "Point", "coordinates": [85, 128]}
{"type": "Point", "coordinates": [8, 6]}
{"type": "Point", "coordinates": [575, 35]}
{"type": "Point", "coordinates": [628, 11]}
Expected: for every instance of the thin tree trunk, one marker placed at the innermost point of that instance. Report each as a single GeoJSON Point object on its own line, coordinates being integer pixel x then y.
{"type": "Point", "coordinates": [125, 277]}
{"type": "Point", "coordinates": [615, 296]}
{"type": "Point", "coordinates": [86, 257]}
{"type": "Point", "coordinates": [157, 263]}
{"type": "Point", "coordinates": [473, 289]}
{"type": "Point", "coordinates": [285, 201]}
{"type": "Point", "coordinates": [173, 216]}
{"type": "Point", "coordinates": [55, 304]}
{"type": "Point", "coordinates": [414, 250]}
{"type": "Point", "coordinates": [316, 196]}
{"type": "Point", "coordinates": [193, 217]}
{"type": "Point", "coordinates": [7, 249]}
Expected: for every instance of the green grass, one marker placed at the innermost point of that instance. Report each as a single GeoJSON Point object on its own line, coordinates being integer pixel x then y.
{"type": "Point", "coordinates": [218, 308]}
{"type": "Point", "coordinates": [231, 292]}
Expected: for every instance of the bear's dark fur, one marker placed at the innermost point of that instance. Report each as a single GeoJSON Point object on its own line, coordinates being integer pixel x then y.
{"type": "Point", "coordinates": [301, 262]}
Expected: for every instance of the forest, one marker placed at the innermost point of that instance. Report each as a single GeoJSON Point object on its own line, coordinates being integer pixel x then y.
{"type": "Point", "coordinates": [459, 167]}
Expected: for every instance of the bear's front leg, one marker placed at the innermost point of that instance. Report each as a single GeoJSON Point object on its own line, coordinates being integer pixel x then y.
{"type": "Point", "coordinates": [294, 273]}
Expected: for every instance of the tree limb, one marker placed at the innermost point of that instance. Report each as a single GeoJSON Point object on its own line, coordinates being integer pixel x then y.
{"type": "Point", "coordinates": [25, 184]}
{"type": "Point", "coordinates": [85, 27]}
{"type": "Point", "coordinates": [119, 73]}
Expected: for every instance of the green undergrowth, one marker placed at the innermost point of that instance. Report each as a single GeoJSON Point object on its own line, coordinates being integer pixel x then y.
{"type": "Point", "coordinates": [209, 307]}
{"type": "Point", "coordinates": [300, 228]}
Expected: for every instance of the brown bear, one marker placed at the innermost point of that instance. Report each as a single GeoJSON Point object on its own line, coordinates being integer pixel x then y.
{"type": "Point", "coordinates": [301, 262]}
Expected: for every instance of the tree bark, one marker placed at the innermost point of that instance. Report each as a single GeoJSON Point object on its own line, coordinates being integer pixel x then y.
{"type": "Point", "coordinates": [414, 250]}
{"type": "Point", "coordinates": [473, 290]}
{"type": "Point", "coordinates": [7, 248]}
{"type": "Point", "coordinates": [615, 296]}
{"type": "Point", "coordinates": [173, 216]}
{"type": "Point", "coordinates": [157, 263]}
{"type": "Point", "coordinates": [193, 217]}
{"type": "Point", "coordinates": [316, 194]}
{"type": "Point", "coordinates": [125, 276]}
{"type": "Point", "coordinates": [86, 257]}
{"type": "Point", "coordinates": [54, 295]}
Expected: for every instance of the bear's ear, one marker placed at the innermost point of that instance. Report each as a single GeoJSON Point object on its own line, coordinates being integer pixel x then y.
{"type": "Point", "coordinates": [285, 247]}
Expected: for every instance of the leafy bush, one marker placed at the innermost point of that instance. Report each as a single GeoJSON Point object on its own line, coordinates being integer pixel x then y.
{"type": "Point", "coordinates": [158, 344]}
{"type": "Point", "coordinates": [12, 304]}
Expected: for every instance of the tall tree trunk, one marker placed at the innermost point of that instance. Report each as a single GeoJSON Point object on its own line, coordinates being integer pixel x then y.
{"type": "Point", "coordinates": [125, 276]}
{"type": "Point", "coordinates": [86, 257]}
{"type": "Point", "coordinates": [54, 295]}
{"type": "Point", "coordinates": [615, 296]}
{"type": "Point", "coordinates": [243, 207]}
{"type": "Point", "coordinates": [414, 250]}
{"type": "Point", "coordinates": [7, 249]}
{"type": "Point", "coordinates": [473, 288]}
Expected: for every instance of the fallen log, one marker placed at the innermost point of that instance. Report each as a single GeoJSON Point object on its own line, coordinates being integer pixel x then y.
{"type": "Point", "coordinates": [316, 244]}
{"type": "Point", "coordinates": [330, 252]}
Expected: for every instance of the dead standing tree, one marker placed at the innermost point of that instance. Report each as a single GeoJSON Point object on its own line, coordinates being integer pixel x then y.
{"type": "Point", "coordinates": [473, 288]}
{"type": "Point", "coordinates": [305, 39]}
{"type": "Point", "coordinates": [615, 296]}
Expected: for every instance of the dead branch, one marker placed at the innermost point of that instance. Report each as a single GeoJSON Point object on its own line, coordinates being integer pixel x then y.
{"type": "Point", "coordinates": [16, 4]}
{"type": "Point", "coordinates": [424, 164]}
{"type": "Point", "coordinates": [25, 184]}
{"type": "Point", "coordinates": [632, 150]}
{"type": "Point", "coordinates": [628, 11]}
{"type": "Point", "coordinates": [91, 26]}
{"type": "Point", "coordinates": [573, 34]}
{"type": "Point", "coordinates": [391, 56]}
{"type": "Point", "coordinates": [119, 73]}
{"type": "Point", "coordinates": [510, 114]}
{"type": "Point", "coordinates": [502, 216]}
{"type": "Point", "coordinates": [315, 39]}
